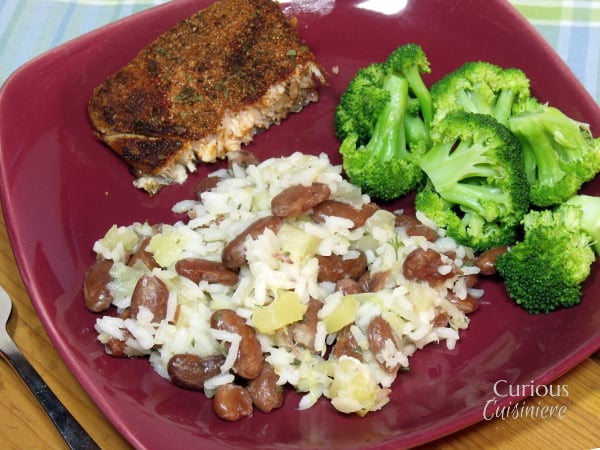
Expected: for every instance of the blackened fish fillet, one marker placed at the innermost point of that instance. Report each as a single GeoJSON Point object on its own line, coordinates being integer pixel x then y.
{"type": "Point", "coordinates": [203, 89]}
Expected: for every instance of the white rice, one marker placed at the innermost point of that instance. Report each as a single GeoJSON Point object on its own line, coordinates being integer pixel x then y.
{"type": "Point", "coordinates": [234, 340]}
{"type": "Point", "coordinates": [242, 196]}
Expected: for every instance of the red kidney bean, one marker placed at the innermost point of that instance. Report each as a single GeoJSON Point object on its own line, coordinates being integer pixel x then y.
{"type": "Point", "coordinates": [336, 267]}
{"type": "Point", "coordinates": [191, 371]}
{"type": "Point", "coordinates": [125, 314]}
{"type": "Point", "coordinates": [115, 348]}
{"type": "Point", "coordinates": [249, 361]}
{"type": "Point", "coordinates": [337, 208]}
{"type": "Point", "coordinates": [152, 293]}
{"type": "Point", "coordinates": [234, 255]}
{"type": "Point", "coordinates": [423, 265]}
{"type": "Point", "coordinates": [486, 261]}
{"type": "Point", "coordinates": [349, 286]}
{"type": "Point", "coordinates": [198, 269]}
{"type": "Point", "coordinates": [299, 199]}
{"type": "Point", "coordinates": [441, 318]}
{"type": "Point", "coordinates": [304, 332]}
{"type": "Point", "coordinates": [467, 305]}
{"type": "Point", "coordinates": [176, 313]}
{"type": "Point", "coordinates": [413, 227]}
{"type": "Point", "coordinates": [345, 344]}
{"type": "Point", "coordinates": [96, 295]}
{"type": "Point", "coordinates": [373, 282]}
{"type": "Point", "coordinates": [206, 185]}
{"type": "Point", "coordinates": [450, 254]}
{"type": "Point", "coordinates": [232, 402]}
{"type": "Point", "coordinates": [470, 280]}
{"type": "Point", "coordinates": [144, 256]}
{"type": "Point", "coordinates": [118, 348]}
{"type": "Point", "coordinates": [365, 212]}
{"type": "Point", "coordinates": [379, 332]}
{"type": "Point", "coordinates": [242, 158]}
{"type": "Point", "coordinates": [266, 394]}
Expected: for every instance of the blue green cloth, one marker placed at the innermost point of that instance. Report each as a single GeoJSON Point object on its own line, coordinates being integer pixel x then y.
{"type": "Point", "coordinates": [573, 29]}
{"type": "Point", "coordinates": [30, 27]}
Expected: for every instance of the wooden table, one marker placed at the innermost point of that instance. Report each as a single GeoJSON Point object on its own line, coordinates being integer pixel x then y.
{"type": "Point", "coordinates": [25, 425]}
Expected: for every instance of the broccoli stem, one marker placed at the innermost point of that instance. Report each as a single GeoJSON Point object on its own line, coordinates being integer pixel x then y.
{"type": "Point", "coordinates": [503, 106]}
{"type": "Point", "coordinates": [420, 91]}
{"type": "Point", "coordinates": [389, 139]}
{"type": "Point", "coordinates": [473, 197]}
{"type": "Point", "coordinates": [471, 102]}
{"type": "Point", "coordinates": [541, 158]}
{"type": "Point", "coordinates": [449, 163]}
{"type": "Point", "coordinates": [450, 166]}
{"type": "Point", "coordinates": [569, 135]}
{"type": "Point", "coordinates": [501, 110]}
{"type": "Point", "coordinates": [416, 130]}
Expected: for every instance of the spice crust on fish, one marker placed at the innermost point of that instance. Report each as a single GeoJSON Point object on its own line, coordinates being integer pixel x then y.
{"type": "Point", "coordinates": [203, 89]}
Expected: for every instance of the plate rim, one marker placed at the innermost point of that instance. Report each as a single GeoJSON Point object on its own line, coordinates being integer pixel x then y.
{"type": "Point", "coordinates": [585, 349]}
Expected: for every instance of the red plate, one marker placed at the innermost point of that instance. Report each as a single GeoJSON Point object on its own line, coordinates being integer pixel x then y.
{"type": "Point", "coordinates": [62, 189]}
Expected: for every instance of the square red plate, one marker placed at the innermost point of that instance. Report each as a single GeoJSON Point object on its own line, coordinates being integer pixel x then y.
{"type": "Point", "coordinates": [62, 189]}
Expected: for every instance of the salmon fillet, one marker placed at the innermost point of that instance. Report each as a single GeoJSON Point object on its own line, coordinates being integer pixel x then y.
{"type": "Point", "coordinates": [203, 89]}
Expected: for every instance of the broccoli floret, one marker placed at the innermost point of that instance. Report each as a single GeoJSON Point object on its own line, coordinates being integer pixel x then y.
{"type": "Point", "coordinates": [590, 219]}
{"type": "Point", "coordinates": [361, 104]}
{"type": "Point", "coordinates": [411, 61]}
{"type": "Point", "coordinates": [480, 87]}
{"type": "Point", "coordinates": [382, 121]}
{"type": "Point", "coordinates": [545, 271]}
{"type": "Point", "coordinates": [560, 153]}
{"type": "Point", "coordinates": [476, 189]}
